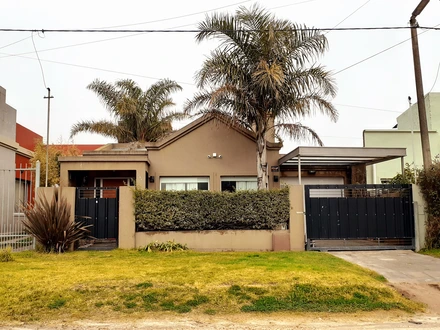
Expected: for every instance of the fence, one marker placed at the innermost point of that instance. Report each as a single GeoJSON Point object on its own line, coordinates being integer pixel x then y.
{"type": "Point", "coordinates": [17, 188]}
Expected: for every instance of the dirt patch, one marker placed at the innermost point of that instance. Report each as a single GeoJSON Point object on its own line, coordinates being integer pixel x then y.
{"type": "Point", "coordinates": [428, 294]}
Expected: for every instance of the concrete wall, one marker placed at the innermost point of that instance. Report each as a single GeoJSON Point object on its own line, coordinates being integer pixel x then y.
{"type": "Point", "coordinates": [216, 240]}
{"type": "Point", "coordinates": [8, 147]}
{"type": "Point", "coordinates": [420, 217]}
{"type": "Point", "coordinates": [66, 192]}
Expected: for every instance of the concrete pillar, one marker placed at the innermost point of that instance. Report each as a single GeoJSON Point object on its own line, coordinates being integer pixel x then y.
{"type": "Point", "coordinates": [127, 226]}
{"type": "Point", "coordinates": [420, 217]}
{"type": "Point", "coordinates": [296, 226]}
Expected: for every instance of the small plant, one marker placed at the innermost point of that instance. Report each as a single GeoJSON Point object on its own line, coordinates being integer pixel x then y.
{"type": "Point", "coordinates": [6, 254]}
{"type": "Point", "coordinates": [57, 303]}
{"type": "Point", "coordinates": [49, 223]}
{"type": "Point", "coordinates": [168, 246]}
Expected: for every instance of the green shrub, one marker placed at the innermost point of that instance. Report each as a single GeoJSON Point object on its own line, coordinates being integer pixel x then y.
{"type": "Point", "coordinates": [6, 254]}
{"type": "Point", "coordinates": [49, 223]}
{"type": "Point", "coordinates": [429, 182]}
{"type": "Point", "coordinates": [168, 246]}
{"type": "Point", "coordinates": [205, 210]}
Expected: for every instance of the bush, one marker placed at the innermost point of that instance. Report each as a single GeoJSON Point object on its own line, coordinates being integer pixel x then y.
{"type": "Point", "coordinates": [429, 182]}
{"type": "Point", "coordinates": [205, 210]}
{"type": "Point", "coordinates": [6, 254]}
{"type": "Point", "coordinates": [168, 246]}
{"type": "Point", "coordinates": [49, 223]}
{"type": "Point", "coordinates": [408, 176]}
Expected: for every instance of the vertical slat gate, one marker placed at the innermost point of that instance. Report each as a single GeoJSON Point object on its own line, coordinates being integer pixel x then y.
{"type": "Point", "coordinates": [100, 206]}
{"type": "Point", "coordinates": [359, 212]}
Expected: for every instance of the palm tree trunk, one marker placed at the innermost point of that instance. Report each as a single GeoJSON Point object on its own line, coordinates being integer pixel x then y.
{"type": "Point", "coordinates": [262, 182]}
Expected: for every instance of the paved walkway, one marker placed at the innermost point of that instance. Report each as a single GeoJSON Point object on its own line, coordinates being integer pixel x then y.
{"type": "Point", "coordinates": [397, 266]}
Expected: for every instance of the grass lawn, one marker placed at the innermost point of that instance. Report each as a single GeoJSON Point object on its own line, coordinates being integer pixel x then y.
{"type": "Point", "coordinates": [106, 284]}
{"type": "Point", "coordinates": [432, 253]}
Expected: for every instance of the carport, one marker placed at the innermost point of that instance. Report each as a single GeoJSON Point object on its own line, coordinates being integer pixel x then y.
{"type": "Point", "coordinates": [352, 216]}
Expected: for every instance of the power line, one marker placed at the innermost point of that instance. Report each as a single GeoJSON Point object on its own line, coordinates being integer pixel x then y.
{"type": "Point", "coordinates": [16, 42]}
{"type": "Point", "coordinates": [382, 51]}
{"type": "Point", "coordinates": [367, 108]}
{"type": "Point", "coordinates": [176, 17]}
{"type": "Point", "coordinates": [367, 28]}
{"type": "Point", "coordinates": [39, 61]}
{"type": "Point", "coordinates": [94, 68]}
{"type": "Point", "coordinates": [293, 4]}
{"type": "Point", "coordinates": [354, 12]}
{"type": "Point", "coordinates": [435, 81]}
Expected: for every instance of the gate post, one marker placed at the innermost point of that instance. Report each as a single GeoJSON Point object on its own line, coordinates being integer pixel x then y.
{"type": "Point", "coordinates": [296, 225]}
{"type": "Point", "coordinates": [127, 225]}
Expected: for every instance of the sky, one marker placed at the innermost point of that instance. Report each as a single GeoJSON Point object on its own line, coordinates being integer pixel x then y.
{"type": "Point", "coordinates": [370, 94]}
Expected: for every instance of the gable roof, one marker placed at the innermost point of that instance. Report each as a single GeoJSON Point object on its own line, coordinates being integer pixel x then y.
{"type": "Point", "coordinates": [171, 138]}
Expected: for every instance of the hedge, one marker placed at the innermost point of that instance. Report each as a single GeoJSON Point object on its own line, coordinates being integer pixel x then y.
{"type": "Point", "coordinates": [205, 210]}
{"type": "Point", "coordinates": [429, 182]}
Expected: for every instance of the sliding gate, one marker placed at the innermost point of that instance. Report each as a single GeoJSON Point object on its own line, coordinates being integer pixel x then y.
{"type": "Point", "coordinates": [359, 217]}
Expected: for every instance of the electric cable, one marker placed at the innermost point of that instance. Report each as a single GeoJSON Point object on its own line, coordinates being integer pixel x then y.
{"type": "Point", "coordinates": [39, 61]}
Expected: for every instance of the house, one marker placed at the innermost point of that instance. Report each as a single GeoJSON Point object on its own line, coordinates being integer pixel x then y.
{"type": "Point", "coordinates": [210, 154]}
{"type": "Point", "coordinates": [406, 134]}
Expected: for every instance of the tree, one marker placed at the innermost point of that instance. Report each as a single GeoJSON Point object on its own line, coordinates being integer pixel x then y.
{"type": "Point", "coordinates": [258, 76]}
{"type": "Point", "coordinates": [55, 151]}
{"type": "Point", "coordinates": [137, 115]}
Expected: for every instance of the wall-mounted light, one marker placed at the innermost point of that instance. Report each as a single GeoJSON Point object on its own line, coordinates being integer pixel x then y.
{"type": "Point", "coordinates": [214, 155]}
{"type": "Point", "coordinates": [312, 172]}
{"type": "Point", "coordinates": [275, 178]}
{"type": "Point", "coordinates": [151, 179]}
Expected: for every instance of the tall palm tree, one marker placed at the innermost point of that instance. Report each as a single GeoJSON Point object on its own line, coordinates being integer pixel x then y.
{"type": "Point", "coordinates": [261, 77]}
{"type": "Point", "coordinates": [137, 115]}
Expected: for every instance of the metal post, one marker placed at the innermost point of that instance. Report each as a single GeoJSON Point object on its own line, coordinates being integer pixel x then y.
{"type": "Point", "coordinates": [299, 169]}
{"type": "Point", "coordinates": [402, 166]}
{"type": "Point", "coordinates": [37, 175]}
{"type": "Point", "coordinates": [48, 97]}
{"type": "Point", "coordinates": [424, 134]}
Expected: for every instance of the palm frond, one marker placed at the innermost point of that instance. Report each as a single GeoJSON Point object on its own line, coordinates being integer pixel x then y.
{"type": "Point", "coordinates": [298, 131]}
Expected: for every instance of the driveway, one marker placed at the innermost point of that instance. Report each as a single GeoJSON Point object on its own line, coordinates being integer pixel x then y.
{"type": "Point", "coordinates": [415, 275]}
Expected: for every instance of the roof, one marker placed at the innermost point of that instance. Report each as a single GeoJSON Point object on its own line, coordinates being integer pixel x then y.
{"type": "Point", "coordinates": [339, 156]}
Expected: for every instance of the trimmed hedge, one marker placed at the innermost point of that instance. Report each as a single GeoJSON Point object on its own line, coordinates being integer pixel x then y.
{"type": "Point", "coordinates": [205, 210]}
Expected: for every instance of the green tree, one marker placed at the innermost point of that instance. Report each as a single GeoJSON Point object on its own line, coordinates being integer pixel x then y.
{"type": "Point", "coordinates": [137, 115]}
{"type": "Point", "coordinates": [261, 77]}
{"type": "Point", "coordinates": [55, 151]}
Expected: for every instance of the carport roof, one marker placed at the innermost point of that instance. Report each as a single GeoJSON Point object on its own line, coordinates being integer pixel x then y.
{"type": "Point", "coordinates": [339, 156]}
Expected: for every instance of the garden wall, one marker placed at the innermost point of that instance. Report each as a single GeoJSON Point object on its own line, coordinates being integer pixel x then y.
{"type": "Point", "coordinates": [216, 240]}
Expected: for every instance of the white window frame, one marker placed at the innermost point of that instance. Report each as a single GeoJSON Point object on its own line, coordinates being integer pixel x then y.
{"type": "Point", "coordinates": [181, 179]}
{"type": "Point", "coordinates": [239, 179]}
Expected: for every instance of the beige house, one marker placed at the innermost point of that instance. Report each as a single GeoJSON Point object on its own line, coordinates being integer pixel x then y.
{"type": "Point", "coordinates": [209, 154]}
{"type": "Point", "coordinates": [406, 134]}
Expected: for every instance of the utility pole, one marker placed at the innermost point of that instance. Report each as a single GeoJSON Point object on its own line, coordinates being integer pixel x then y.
{"type": "Point", "coordinates": [48, 97]}
{"type": "Point", "coordinates": [424, 134]}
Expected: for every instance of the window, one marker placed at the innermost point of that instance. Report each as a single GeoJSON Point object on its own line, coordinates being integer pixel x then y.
{"type": "Point", "coordinates": [182, 184]}
{"type": "Point", "coordinates": [239, 183]}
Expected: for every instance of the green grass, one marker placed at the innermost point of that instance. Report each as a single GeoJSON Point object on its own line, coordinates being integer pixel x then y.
{"type": "Point", "coordinates": [105, 284]}
{"type": "Point", "coordinates": [432, 253]}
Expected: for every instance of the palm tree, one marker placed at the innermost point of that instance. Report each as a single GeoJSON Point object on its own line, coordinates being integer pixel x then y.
{"type": "Point", "coordinates": [260, 78]}
{"type": "Point", "coordinates": [137, 115]}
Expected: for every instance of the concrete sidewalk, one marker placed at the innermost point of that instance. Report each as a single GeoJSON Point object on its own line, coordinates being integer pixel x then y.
{"type": "Point", "coordinates": [396, 266]}
{"type": "Point", "coordinates": [415, 276]}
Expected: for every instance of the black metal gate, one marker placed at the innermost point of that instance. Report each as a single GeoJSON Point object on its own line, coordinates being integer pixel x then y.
{"type": "Point", "coordinates": [102, 206]}
{"type": "Point", "coordinates": [353, 217]}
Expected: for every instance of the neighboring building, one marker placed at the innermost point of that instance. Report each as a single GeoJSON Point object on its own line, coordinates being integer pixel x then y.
{"type": "Point", "coordinates": [16, 146]}
{"type": "Point", "coordinates": [209, 154]}
{"type": "Point", "coordinates": [405, 135]}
